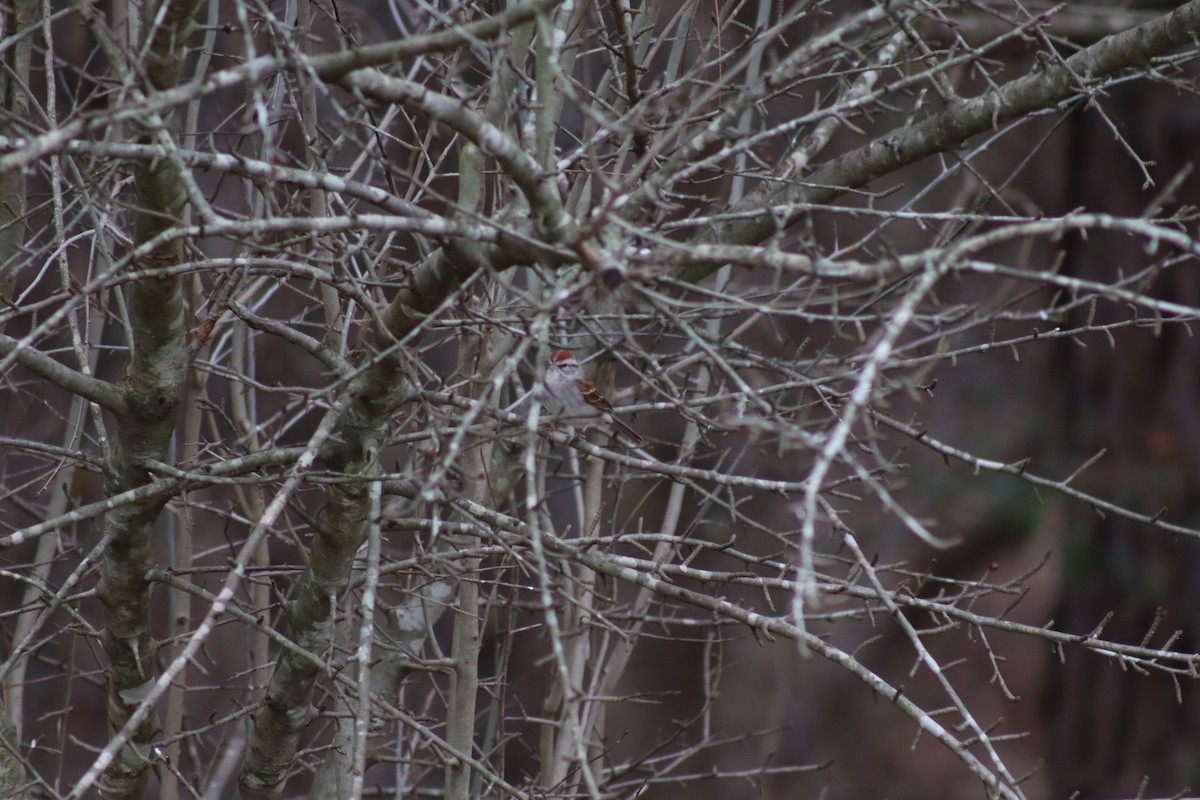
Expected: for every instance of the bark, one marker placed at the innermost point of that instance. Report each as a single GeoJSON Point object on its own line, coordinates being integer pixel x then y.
{"type": "Point", "coordinates": [152, 388]}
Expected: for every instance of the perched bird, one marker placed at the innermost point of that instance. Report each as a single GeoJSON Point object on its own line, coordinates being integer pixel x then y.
{"type": "Point", "coordinates": [571, 394]}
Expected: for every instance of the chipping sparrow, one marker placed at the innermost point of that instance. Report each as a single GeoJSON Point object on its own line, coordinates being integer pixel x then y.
{"type": "Point", "coordinates": [571, 393]}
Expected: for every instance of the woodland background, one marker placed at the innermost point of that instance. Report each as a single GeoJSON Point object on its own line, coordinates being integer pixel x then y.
{"type": "Point", "coordinates": [902, 296]}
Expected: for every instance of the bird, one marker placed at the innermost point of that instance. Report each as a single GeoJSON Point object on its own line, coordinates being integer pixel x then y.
{"type": "Point", "coordinates": [570, 393]}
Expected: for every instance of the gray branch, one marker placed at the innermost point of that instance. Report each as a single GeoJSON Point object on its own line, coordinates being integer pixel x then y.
{"type": "Point", "coordinates": [946, 130]}
{"type": "Point", "coordinates": [153, 387]}
{"type": "Point", "coordinates": [101, 392]}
